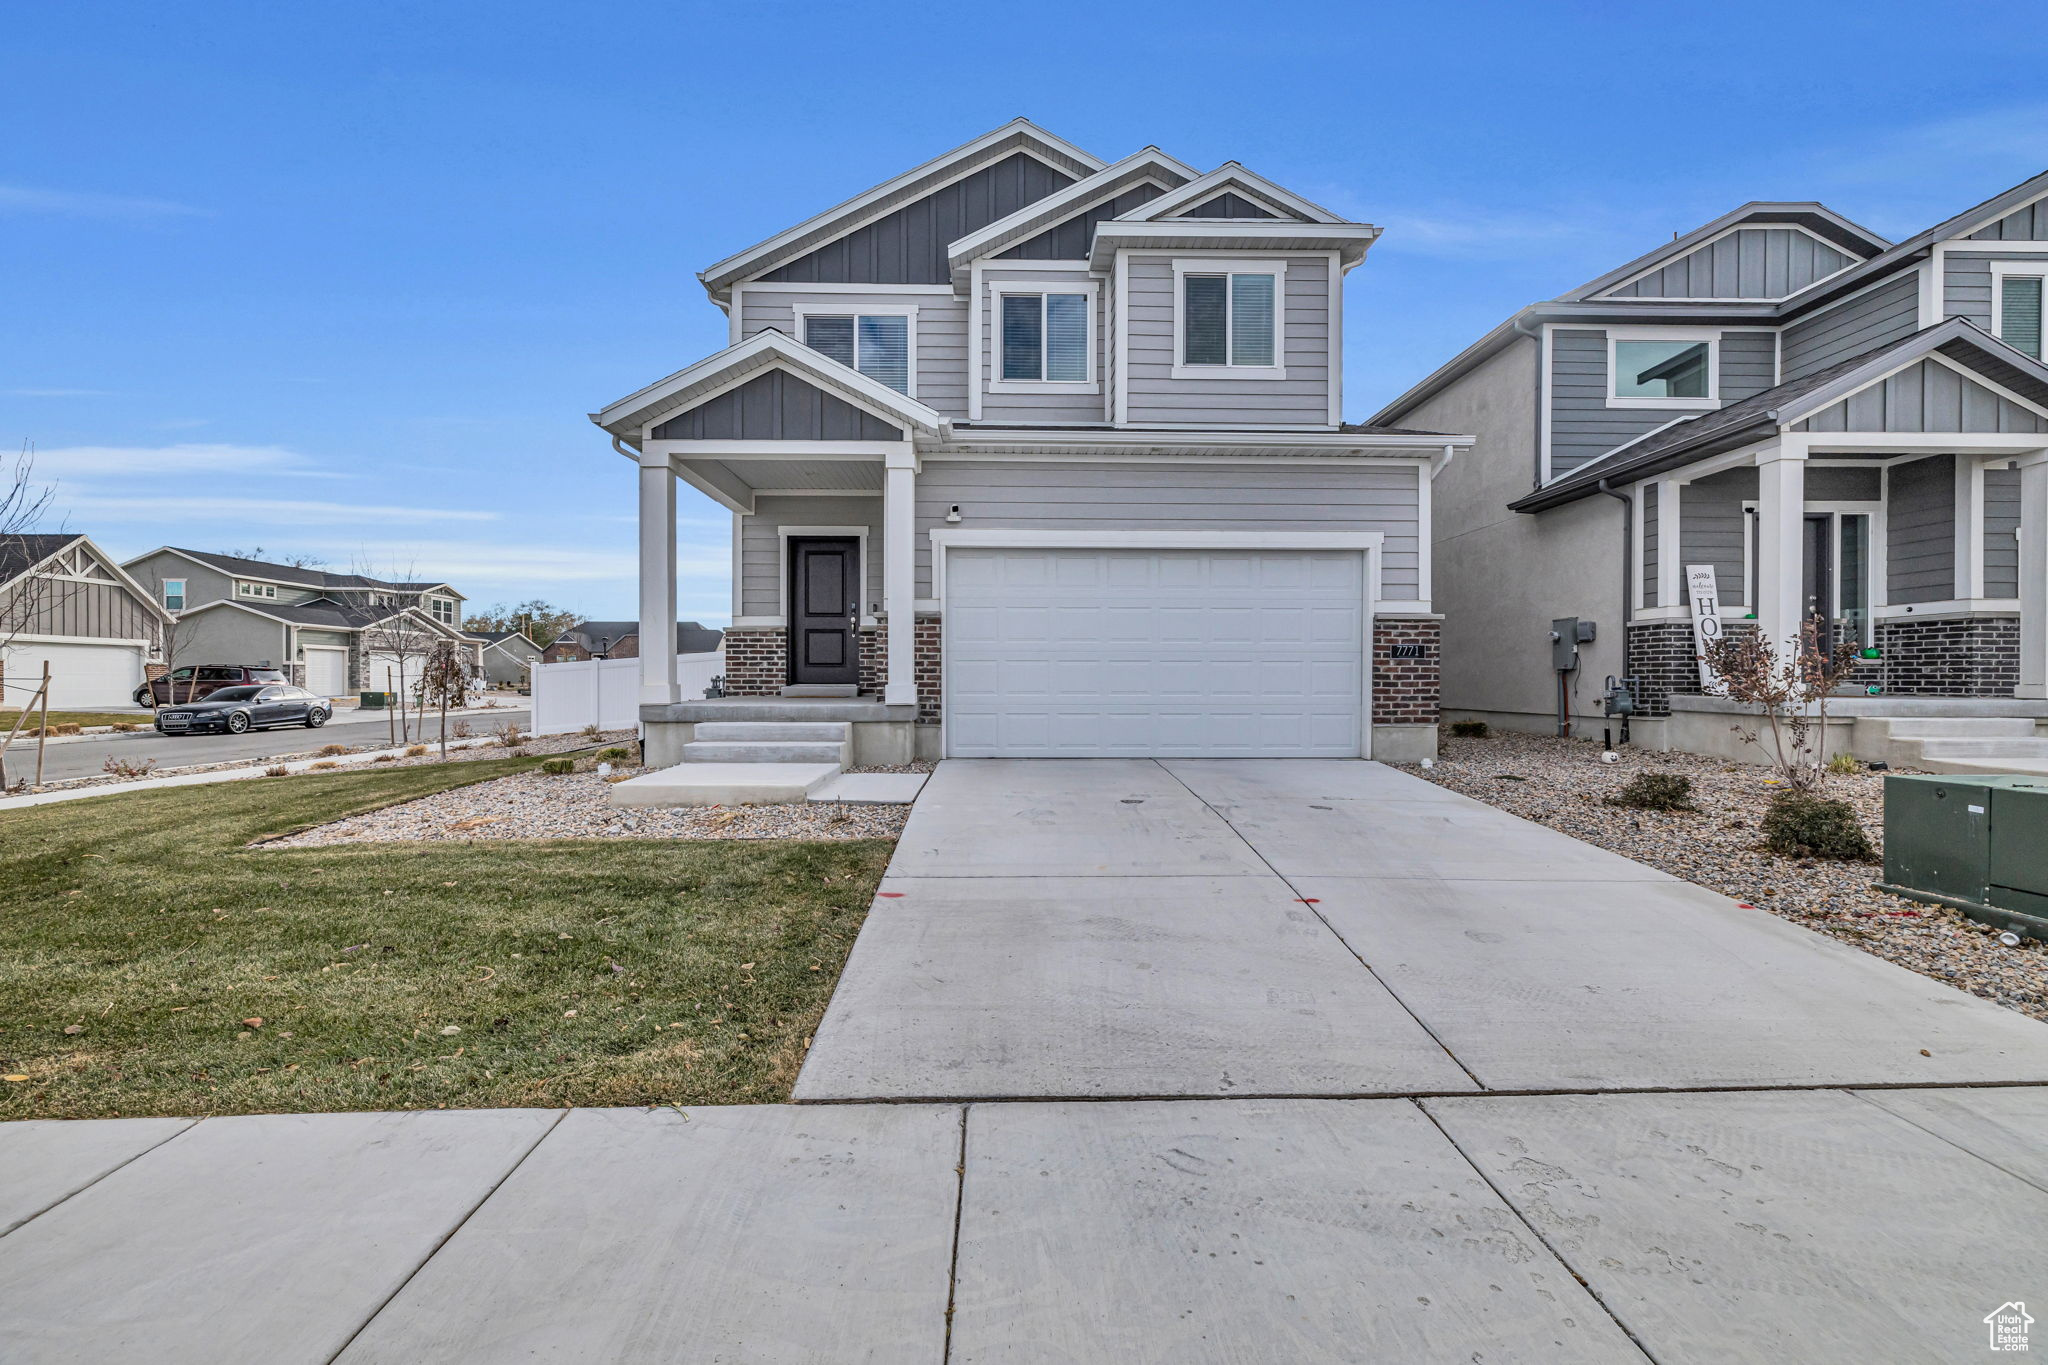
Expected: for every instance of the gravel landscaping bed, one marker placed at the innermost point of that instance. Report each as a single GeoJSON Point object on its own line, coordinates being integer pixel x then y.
{"type": "Point", "coordinates": [1563, 784]}
{"type": "Point", "coordinates": [573, 806]}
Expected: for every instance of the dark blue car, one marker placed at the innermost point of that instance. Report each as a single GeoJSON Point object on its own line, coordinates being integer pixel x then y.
{"type": "Point", "coordinates": [240, 709]}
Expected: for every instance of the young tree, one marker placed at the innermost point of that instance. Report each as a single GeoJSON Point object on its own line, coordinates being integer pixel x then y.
{"type": "Point", "coordinates": [445, 680]}
{"type": "Point", "coordinates": [22, 504]}
{"type": "Point", "coordinates": [1790, 693]}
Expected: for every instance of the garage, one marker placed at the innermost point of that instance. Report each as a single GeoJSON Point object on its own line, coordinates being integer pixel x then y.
{"type": "Point", "coordinates": [1077, 652]}
{"type": "Point", "coordinates": [326, 670]}
{"type": "Point", "coordinates": [83, 677]}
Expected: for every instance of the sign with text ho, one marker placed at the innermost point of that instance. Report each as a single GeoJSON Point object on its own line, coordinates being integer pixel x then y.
{"type": "Point", "coordinates": [1700, 586]}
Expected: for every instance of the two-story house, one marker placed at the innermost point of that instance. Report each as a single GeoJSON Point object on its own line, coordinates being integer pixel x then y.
{"type": "Point", "coordinates": [334, 633]}
{"type": "Point", "coordinates": [1824, 423]}
{"type": "Point", "coordinates": [1044, 455]}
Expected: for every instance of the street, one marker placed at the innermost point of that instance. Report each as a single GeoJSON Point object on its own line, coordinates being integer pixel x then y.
{"type": "Point", "coordinates": [86, 758]}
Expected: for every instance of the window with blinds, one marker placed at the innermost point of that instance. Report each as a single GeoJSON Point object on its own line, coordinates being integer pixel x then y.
{"type": "Point", "coordinates": [2019, 313]}
{"type": "Point", "coordinates": [1228, 319]}
{"type": "Point", "coordinates": [878, 345]}
{"type": "Point", "coordinates": [1044, 338]}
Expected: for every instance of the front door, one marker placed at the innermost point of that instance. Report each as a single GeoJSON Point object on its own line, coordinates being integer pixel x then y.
{"type": "Point", "coordinates": [824, 610]}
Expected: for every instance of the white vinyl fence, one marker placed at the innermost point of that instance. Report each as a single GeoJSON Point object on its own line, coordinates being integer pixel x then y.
{"type": "Point", "coordinates": [606, 692]}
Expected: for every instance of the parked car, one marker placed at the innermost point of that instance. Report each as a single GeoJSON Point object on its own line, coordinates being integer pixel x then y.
{"type": "Point", "coordinates": [240, 709]}
{"type": "Point", "coordinates": [202, 681]}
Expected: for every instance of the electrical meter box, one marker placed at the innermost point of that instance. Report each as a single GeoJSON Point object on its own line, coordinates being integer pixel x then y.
{"type": "Point", "coordinates": [1978, 843]}
{"type": "Point", "coordinates": [1564, 644]}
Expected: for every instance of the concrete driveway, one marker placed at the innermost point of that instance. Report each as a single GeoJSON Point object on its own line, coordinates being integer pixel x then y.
{"type": "Point", "coordinates": [1229, 928]}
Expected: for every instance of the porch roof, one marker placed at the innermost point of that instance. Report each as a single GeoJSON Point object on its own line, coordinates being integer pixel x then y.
{"type": "Point", "coordinates": [1765, 415]}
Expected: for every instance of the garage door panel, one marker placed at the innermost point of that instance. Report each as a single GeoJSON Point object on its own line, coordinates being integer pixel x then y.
{"type": "Point", "coordinates": [1114, 653]}
{"type": "Point", "coordinates": [82, 676]}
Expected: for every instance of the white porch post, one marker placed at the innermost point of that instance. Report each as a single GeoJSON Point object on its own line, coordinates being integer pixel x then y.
{"type": "Point", "coordinates": [899, 547]}
{"type": "Point", "coordinates": [1780, 529]}
{"type": "Point", "coordinates": [2033, 683]}
{"type": "Point", "coordinates": [658, 680]}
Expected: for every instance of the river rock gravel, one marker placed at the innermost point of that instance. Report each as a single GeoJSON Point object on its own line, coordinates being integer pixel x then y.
{"type": "Point", "coordinates": [1563, 784]}
{"type": "Point", "coordinates": [573, 806]}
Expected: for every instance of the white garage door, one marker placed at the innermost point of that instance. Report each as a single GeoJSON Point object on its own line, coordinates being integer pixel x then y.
{"type": "Point", "coordinates": [1154, 653]}
{"type": "Point", "coordinates": [327, 671]}
{"type": "Point", "coordinates": [81, 676]}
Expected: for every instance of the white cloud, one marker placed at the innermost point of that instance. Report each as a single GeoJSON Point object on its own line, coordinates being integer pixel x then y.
{"type": "Point", "coordinates": [486, 562]}
{"type": "Point", "coordinates": [21, 199]}
{"type": "Point", "coordinates": [183, 458]}
{"type": "Point", "coordinates": [254, 512]}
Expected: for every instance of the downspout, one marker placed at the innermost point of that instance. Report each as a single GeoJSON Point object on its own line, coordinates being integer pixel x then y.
{"type": "Point", "coordinates": [1628, 551]}
{"type": "Point", "coordinates": [1535, 408]}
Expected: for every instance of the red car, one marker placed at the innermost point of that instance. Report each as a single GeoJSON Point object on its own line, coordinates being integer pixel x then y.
{"type": "Point", "coordinates": [196, 683]}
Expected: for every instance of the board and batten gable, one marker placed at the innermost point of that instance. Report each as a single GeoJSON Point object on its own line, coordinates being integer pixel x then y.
{"type": "Point", "coordinates": [1150, 394]}
{"type": "Point", "coordinates": [1059, 495]}
{"type": "Point", "coordinates": [1747, 263]}
{"type": "Point", "coordinates": [1925, 396]}
{"type": "Point", "coordinates": [1071, 239]}
{"type": "Point", "coordinates": [1584, 425]}
{"type": "Point", "coordinates": [2027, 223]}
{"type": "Point", "coordinates": [1864, 321]}
{"type": "Point", "coordinates": [776, 406]}
{"type": "Point", "coordinates": [908, 246]}
{"type": "Point", "coordinates": [93, 607]}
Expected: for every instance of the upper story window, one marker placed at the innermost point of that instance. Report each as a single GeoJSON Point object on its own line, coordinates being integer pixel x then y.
{"type": "Point", "coordinates": [174, 594]}
{"type": "Point", "coordinates": [876, 344]}
{"type": "Point", "coordinates": [245, 588]}
{"type": "Point", "coordinates": [1676, 370]}
{"type": "Point", "coordinates": [1229, 319]}
{"type": "Point", "coordinates": [2016, 305]}
{"type": "Point", "coordinates": [443, 609]}
{"type": "Point", "coordinates": [1044, 337]}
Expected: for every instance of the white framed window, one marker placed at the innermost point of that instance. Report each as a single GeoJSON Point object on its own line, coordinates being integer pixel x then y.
{"type": "Point", "coordinates": [879, 342]}
{"type": "Point", "coordinates": [1649, 367]}
{"type": "Point", "coordinates": [174, 594]}
{"type": "Point", "coordinates": [1042, 337]}
{"type": "Point", "coordinates": [1229, 319]}
{"type": "Point", "coordinates": [2016, 304]}
{"type": "Point", "coordinates": [443, 609]}
{"type": "Point", "coordinates": [246, 588]}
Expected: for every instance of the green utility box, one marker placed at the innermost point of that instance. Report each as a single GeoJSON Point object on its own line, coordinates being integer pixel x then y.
{"type": "Point", "coordinates": [375, 701]}
{"type": "Point", "coordinates": [1979, 844]}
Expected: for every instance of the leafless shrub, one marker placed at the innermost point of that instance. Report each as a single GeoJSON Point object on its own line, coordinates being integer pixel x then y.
{"type": "Point", "coordinates": [511, 737]}
{"type": "Point", "coordinates": [1791, 693]}
{"type": "Point", "coordinates": [330, 750]}
{"type": "Point", "coordinates": [127, 769]}
{"type": "Point", "coordinates": [277, 770]}
{"type": "Point", "coordinates": [416, 751]}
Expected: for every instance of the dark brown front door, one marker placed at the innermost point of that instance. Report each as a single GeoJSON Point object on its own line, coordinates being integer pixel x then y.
{"type": "Point", "coordinates": [824, 609]}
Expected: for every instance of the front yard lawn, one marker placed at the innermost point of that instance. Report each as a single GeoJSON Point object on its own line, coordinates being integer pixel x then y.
{"type": "Point", "coordinates": [141, 719]}
{"type": "Point", "coordinates": [152, 963]}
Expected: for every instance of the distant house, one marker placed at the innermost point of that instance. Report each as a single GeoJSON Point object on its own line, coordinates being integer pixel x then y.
{"type": "Point", "coordinates": [621, 640]}
{"type": "Point", "coordinates": [333, 633]}
{"type": "Point", "coordinates": [508, 655]}
{"type": "Point", "coordinates": [65, 603]}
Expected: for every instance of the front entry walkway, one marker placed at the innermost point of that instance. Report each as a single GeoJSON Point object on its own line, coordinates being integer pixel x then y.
{"type": "Point", "coordinates": [1850, 1175]}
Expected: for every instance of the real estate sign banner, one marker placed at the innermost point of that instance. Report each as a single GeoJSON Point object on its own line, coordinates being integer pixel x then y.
{"type": "Point", "coordinates": [1706, 617]}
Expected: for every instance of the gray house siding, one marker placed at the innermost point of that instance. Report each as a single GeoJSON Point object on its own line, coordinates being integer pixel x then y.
{"type": "Point", "coordinates": [1927, 396]}
{"type": "Point", "coordinates": [1058, 496]}
{"type": "Point", "coordinates": [909, 245]}
{"type": "Point", "coordinates": [761, 566]}
{"type": "Point", "coordinates": [1967, 281]}
{"type": "Point", "coordinates": [202, 584]}
{"type": "Point", "coordinates": [777, 406]}
{"type": "Point", "coordinates": [2001, 527]}
{"type": "Point", "coordinates": [1227, 205]}
{"type": "Point", "coordinates": [1650, 529]}
{"type": "Point", "coordinates": [1031, 408]}
{"type": "Point", "coordinates": [1710, 530]}
{"type": "Point", "coordinates": [1865, 322]}
{"type": "Point", "coordinates": [939, 334]}
{"type": "Point", "coordinates": [1583, 426]}
{"type": "Point", "coordinates": [1749, 263]}
{"type": "Point", "coordinates": [62, 606]}
{"type": "Point", "coordinates": [1072, 239]}
{"type": "Point", "coordinates": [1920, 533]}
{"type": "Point", "coordinates": [225, 635]}
{"type": "Point", "coordinates": [2027, 223]}
{"type": "Point", "coordinates": [1842, 485]}
{"type": "Point", "coordinates": [1154, 395]}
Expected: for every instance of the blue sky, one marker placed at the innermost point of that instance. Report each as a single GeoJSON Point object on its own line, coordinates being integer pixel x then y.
{"type": "Point", "coordinates": [344, 279]}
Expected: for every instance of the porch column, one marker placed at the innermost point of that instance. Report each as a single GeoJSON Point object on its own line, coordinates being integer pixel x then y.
{"type": "Point", "coordinates": [899, 548]}
{"type": "Point", "coordinates": [1780, 528]}
{"type": "Point", "coordinates": [658, 680]}
{"type": "Point", "coordinates": [2033, 684]}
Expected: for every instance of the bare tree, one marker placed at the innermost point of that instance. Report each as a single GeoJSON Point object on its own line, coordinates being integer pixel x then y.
{"type": "Point", "coordinates": [1790, 693]}
{"type": "Point", "coordinates": [298, 560]}
{"type": "Point", "coordinates": [541, 621]}
{"type": "Point", "coordinates": [445, 679]}
{"type": "Point", "coordinates": [22, 504]}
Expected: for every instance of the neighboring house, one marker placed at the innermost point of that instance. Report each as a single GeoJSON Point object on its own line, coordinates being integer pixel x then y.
{"type": "Point", "coordinates": [1046, 455]}
{"type": "Point", "coordinates": [1842, 427]}
{"type": "Point", "coordinates": [65, 603]}
{"type": "Point", "coordinates": [336, 633]}
{"type": "Point", "coordinates": [621, 640]}
{"type": "Point", "coordinates": [508, 656]}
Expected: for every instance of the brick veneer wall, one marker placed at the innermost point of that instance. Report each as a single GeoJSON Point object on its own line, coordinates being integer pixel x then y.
{"type": "Point", "coordinates": [1661, 654]}
{"type": "Point", "coordinates": [1969, 656]}
{"type": "Point", "coordinates": [926, 661]}
{"type": "Point", "coordinates": [756, 661]}
{"type": "Point", "coordinates": [1406, 691]}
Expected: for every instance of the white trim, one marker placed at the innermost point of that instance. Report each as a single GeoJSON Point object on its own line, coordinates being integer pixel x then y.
{"type": "Point", "coordinates": [1967, 572]}
{"type": "Point", "coordinates": [1927, 290]}
{"type": "Point", "coordinates": [1608, 295]}
{"type": "Point", "coordinates": [1425, 532]}
{"type": "Point", "coordinates": [2026, 270]}
{"type": "Point", "coordinates": [1118, 376]}
{"type": "Point", "coordinates": [1546, 362]}
{"type": "Point", "coordinates": [1953, 606]}
{"type": "Point", "coordinates": [1689, 335]}
{"type": "Point", "coordinates": [735, 318]}
{"type": "Point", "coordinates": [111, 640]}
{"type": "Point", "coordinates": [1670, 527]}
{"type": "Point", "coordinates": [683, 448]}
{"type": "Point", "coordinates": [783, 287]}
{"type": "Point", "coordinates": [1039, 216]}
{"type": "Point", "coordinates": [1371, 544]}
{"type": "Point", "coordinates": [1228, 267]}
{"type": "Point", "coordinates": [799, 318]}
{"type": "Point", "coordinates": [1335, 305]}
{"type": "Point", "coordinates": [977, 358]}
{"type": "Point", "coordinates": [1091, 289]}
{"type": "Point", "coordinates": [782, 535]}
{"type": "Point", "coordinates": [1205, 187]}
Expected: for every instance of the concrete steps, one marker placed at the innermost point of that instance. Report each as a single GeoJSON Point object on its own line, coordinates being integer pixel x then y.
{"type": "Point", "coordinates": [746, 762]}
{"type": "Point", "coordinates": [1955, 744]}
{"type": "Point", "coordinates": [791, 751]}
